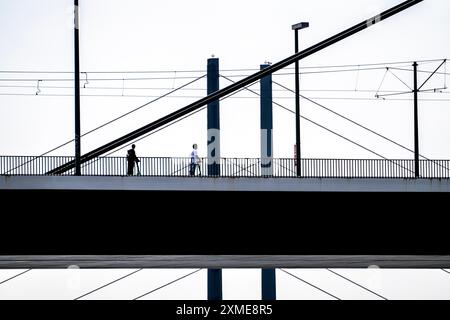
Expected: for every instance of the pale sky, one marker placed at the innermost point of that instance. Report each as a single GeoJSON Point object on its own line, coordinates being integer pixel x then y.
{"type": "Point", "coordinates": [178, 35]}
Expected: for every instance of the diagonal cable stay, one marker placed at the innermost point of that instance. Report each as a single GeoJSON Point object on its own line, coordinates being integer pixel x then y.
{"type": "Point", "coordinates": [111, 121]}
{"type": "Point", "coordinates": [17, 275]}
{"type": "Point", "coordinates": [329, 130]}
{"type": "Point", "coordinates": [109, 283]}
{"type": "Point", "coordinates": [357, 284]}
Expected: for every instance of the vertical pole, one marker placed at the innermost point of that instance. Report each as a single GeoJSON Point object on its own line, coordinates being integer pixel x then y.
{"type": "Point", "coordinates": [297, 109]}
{"type": "Point", "coordinates": [213, 122]}
{"type": "Point", "coordinates": [416, 124]}
{"type": "Point", "coordinates": [77, 90]}
{"type": "Point", "coordinates": [268, 284]}
{"type": "Point", "coordinates": [214, 284]}
{"type": "Point", "coordinates": [266, 124]}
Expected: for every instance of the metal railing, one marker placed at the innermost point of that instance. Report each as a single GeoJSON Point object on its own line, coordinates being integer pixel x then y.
{"type": "Point", "coordinates": [232, 167]}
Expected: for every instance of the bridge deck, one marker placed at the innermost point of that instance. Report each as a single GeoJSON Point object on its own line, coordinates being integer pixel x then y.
{"type": "Point", "coordinates": [222, 184]}
{"type": "Point", "coordinates": [225, 261]}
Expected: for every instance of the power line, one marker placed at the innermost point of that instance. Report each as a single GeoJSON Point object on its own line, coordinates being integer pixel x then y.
{"type": "Point", "coordinates": [193, 89]}
{"type": "Point", "coordinates": [121, 278]}
{"type": "Point", "coordinates": [224, 70]}
{"type": "Point", "coordinates": [167, 284]}
{"type": "Point", "coordinates": [310, 284]}
{"type": "Point", "coordinates": [192, 77]}
{"type": "Point", "coordinates": [172, 123]}
{"type": "Point", "coordinates": [357, 284]}
{"type": "Point", "coordinates": [420, 71]}
{"type": "Point", "coordinates": [358, 124]}
{"type": "Point", "coordinates": [204, 89]}
{"type": "Point", "coordinates": [445, 270]}
{"type": "Point", "coordinates": [199, 97]}
{"type": "Point", "coordinates": [183, 77]}
{"type": "Point", "coordinates": [14, 276]}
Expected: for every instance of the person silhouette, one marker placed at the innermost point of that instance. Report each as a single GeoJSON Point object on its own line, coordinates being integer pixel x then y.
{"type": "Point", "coordinates": [195, 161]}
{"type": "Point", "coordinates": [131, 159]}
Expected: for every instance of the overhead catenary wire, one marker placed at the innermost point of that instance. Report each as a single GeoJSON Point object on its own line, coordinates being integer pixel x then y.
{"type": "Point", "coordinates": [223, 70]}
{"type": "Point", "coordinates": [109, 122]}
{"type": "Point", "coordinates": [310, 284]}
{"type": "Point", "coordinates": [199, 97]}
{"type": "Point", "coordinates": [109, 283]}
{"type": "Point", "coordinates": [167, 284]}
{"type": "Point", "coordinates": [349, 120]}
{"type": "Point", "coordinates": [169, 124]}
{"type": "Point", "coordinates": [187, 77]}
{"type": "Point", "coordinates": [329, 130]}
{"type": "Point", "coordinates": [200, 89]}
{"type": "Point", "coordinates": [359, 285]}
{"type": "Point", "coordinates": [13, 277]}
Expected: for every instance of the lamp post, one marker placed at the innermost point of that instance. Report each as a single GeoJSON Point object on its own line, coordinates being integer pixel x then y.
{"type": "Point", "coordinates": [296, 27]}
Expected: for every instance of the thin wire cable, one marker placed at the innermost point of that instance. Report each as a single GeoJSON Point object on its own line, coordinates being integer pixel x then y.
{"type": "Point", "coordinates": [348, 119]}
{"type": "Point", "coordinates": [445, 74]}
{"type": "Point", "coordinates": [445, 270]}
{"type": "Point", "coordinates": [226, 70]}
{"type": "Point", "coordinates": [184, 77]}
{"type": "Point", "coordinates": [111, 121]}
{"type": "Point", "coordinates": [140, 107]}
{"type": "Point", "coordinates": [331, 131]}
{"type": "Point", "coordinates": [99, 288]}
{"type": "Point", "coordinates": [170, 124]}
{"type": "Point", "coordinates": [204, 89]}
{"type": "Point", "coordinates": [357, 80]}
{"type": "Point", "coordinates": [15, 276]}
{"type": "Point", "coordinates": [167, 284]}
{"type": "Point", "coordinates": [321, 126]}
{"type": "Point", "coordinates": [310, 284]}
{"type": "Point", "coordinates": [363, 127]}
{"type": "Point", "coordinates": [419, 71]}
{"type": "Point", "coordinates": [379, 87]}
{"type": "Point", "coordinates": [199, 97]}
{"type": "Point", "coordinates": [355, 283]}
{"type": "Point", "coordinates": [400, 80]}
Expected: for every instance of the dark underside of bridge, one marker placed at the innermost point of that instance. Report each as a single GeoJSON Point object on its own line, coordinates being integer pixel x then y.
{"type": "Point", "coordinates": [174, 222]}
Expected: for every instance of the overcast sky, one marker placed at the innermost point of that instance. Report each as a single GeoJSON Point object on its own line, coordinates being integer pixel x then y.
{"type": "Point", "coordinates": [178, 35]}
{"type": "Point", "coordinates": [245, 284]}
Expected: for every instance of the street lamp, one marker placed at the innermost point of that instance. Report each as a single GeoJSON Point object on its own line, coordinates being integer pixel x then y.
{"type": "Point", "coordinates": [296, 27]}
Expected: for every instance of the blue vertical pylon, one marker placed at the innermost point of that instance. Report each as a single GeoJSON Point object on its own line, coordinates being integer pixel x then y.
{"type": "Point", "coordinates": [213, 125]}
{"type": "Point", "coordinates": [213, 122]}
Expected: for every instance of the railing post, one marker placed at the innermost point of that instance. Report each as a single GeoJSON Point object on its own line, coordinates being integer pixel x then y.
{"type": "Point", "coordinates": [266, 124]}
{"type": "Point", "coordinates": [416, 124]}
{"type": "Point", "coordinates": [213, 119]}
{"type": "Point", "coordinates": [213, 126]}
{"type": "Point", "coordinates": [77, 91]}
{"type": "Point", "coordinates": [214, 284]}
